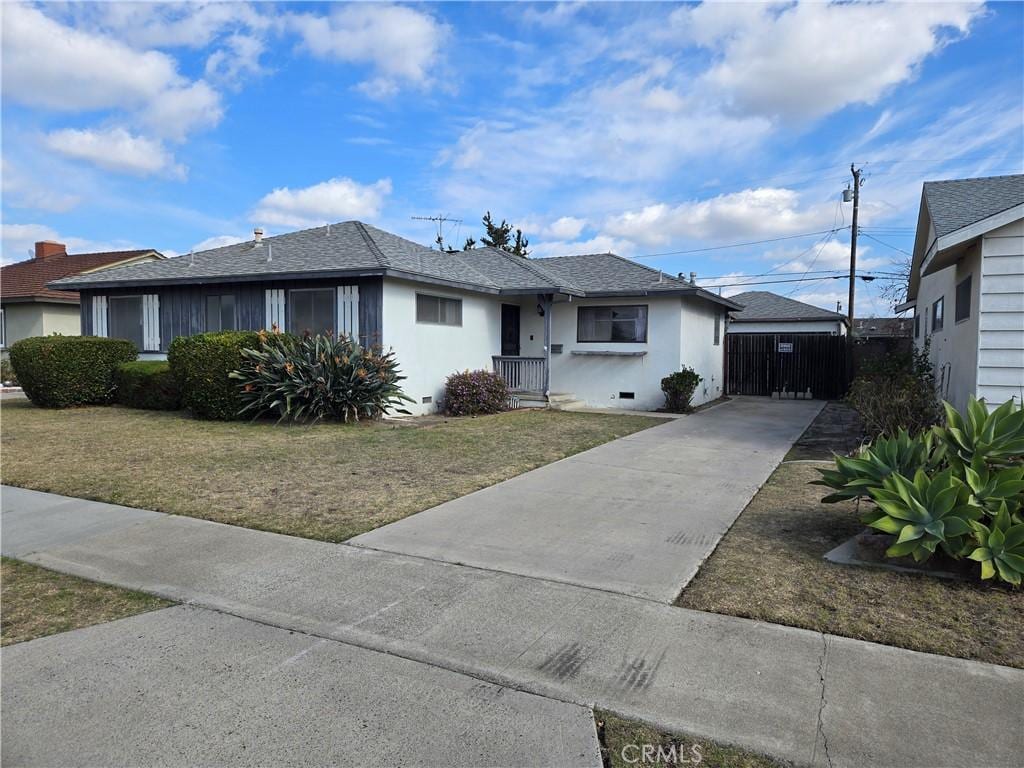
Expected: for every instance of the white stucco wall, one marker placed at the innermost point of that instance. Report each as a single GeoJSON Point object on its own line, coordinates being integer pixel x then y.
{"type": "Point", "coordinates": [33, 318]}
{"type": "Point", "coordinates": [428, 354]}
{"type": "Point", "coordinates": [65, 319]}
{"type": "Point", "coordinates": [698, 349]}
{"type": "Point", "coordinates": [954, 349]}
{"type": "Point", "coordinates": [834, 327]}
{"type": "Point", "coordinates": [1001, 315]}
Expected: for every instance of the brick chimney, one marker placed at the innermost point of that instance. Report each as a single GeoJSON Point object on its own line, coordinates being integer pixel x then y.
{"type": "Point", "coordinates": [47, 249]}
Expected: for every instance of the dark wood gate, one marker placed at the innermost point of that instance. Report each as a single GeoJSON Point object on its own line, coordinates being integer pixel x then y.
{"type": "Point", "coordinates": [789, 363]}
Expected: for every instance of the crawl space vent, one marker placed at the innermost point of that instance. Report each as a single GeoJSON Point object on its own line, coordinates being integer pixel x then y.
{"type": "Point", "coordinates": [627, 395]}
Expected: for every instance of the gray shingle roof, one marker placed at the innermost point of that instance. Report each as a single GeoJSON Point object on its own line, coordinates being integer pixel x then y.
{"type": "Point", "coordinates": [354, 247]}
{"type": "Point", "coordinates": [958, 203]}
{"type": "Point", "coordinates": [762, 306]}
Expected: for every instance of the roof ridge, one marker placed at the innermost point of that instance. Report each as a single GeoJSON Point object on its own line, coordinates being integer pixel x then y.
{"type": "Point", "coordinates": [372, 244]}
{"type": "Point", "coordinates": [532, 268]}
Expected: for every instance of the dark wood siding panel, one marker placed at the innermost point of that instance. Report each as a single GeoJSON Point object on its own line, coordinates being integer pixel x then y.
{"type": "Point", "coordinates": [183, 307]}
{"type": "Point", "coordinates": [85, 311]}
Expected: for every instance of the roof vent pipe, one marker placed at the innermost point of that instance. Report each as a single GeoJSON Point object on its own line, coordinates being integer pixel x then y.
{"type": "Point", "coordinates": [192, 257]}
{"type": "Point", "coordinates": [693, 278]}
{"type": "Point", "coordinates": [270, 252]}
{"type": "Point", "coordinates": [257, 237]}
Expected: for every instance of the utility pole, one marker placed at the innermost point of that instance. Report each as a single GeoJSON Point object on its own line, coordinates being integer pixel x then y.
{"type": "Point", "coordinates": [853, 243]}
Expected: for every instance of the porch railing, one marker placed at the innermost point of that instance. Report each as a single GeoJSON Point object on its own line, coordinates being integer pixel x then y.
{"type": "Point", "coordinates": [522, 374]}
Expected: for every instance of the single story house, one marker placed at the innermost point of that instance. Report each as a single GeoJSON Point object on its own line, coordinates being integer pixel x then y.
{"type": "Point", "coordinates": [29, 308]}
{"type": "Point", "coordinates": [766, 312]}
{"type": "Point", "coordinates": [969, 251]}
{"type": "Point", "coordinates": [596, 329]}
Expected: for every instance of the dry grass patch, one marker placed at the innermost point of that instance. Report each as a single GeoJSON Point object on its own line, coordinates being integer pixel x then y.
{"type": "Point", "coordinates": [326, 481]}
{"type": "Point", "coordinates": [770, 567]}
{"type": "Point", "coordinates": [618, 734]}
{"type": "Point", "coordinates": [38, 602]}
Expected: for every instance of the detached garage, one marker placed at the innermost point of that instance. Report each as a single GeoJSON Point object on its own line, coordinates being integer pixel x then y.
{"type": "Point", "coordinates": [776, 345]}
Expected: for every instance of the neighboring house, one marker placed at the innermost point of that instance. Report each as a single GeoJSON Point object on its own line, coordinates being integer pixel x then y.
{"type": "Point", "coordinates": [967, 286]}
{"type": "Point", "coordinates": [766, 312]}
{"type": "Point", "coordinates": [598, 328]}
{"type": "Point", "coordinates": [29, 308]}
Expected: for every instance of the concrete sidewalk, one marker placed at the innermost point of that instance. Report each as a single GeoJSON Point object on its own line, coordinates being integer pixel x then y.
{"type": "Point", "coordinates": [798, 695]}
{"type": "Point", "coordinates": [637, 515]}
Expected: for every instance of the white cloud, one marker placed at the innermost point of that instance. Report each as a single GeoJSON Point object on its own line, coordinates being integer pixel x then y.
{"type": "Point", "coordinates": [219, 241]}
{"type": "Point", "coordinates": [57, 67]}
{"type": "Point", "coordinates": [19, 242]}
{"type": "Point", "coordinates": [117, 150]}
{"type": "Point", "coordinates": [807, 60]}
{"type": "Point", "coordinates": [736, 216]}
{"type": "Point", "coordinates": [329, 201]}
{"type": "Point", "coordinates": [239, 58]}
{"type": "Point", "coordinates": [23, 191]}
{"type": "Point", "coordinates": [401, 44]}
{"type": "Point", "coordinates": [596, 244]}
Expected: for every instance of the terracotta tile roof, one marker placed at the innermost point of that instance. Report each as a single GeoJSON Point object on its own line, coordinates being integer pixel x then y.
{"type": "Point", "coordinates": [28, 279]}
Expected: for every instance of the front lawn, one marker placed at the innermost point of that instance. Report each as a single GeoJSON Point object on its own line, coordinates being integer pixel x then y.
{"type": "Point", "coordinates": [39, 602]}
{"type": "Point", "coordinates": [627, 743]}
{"type": "Point", "coordinates": [770, 567]}
{"type": "Point", "coordinates": [327, 481]}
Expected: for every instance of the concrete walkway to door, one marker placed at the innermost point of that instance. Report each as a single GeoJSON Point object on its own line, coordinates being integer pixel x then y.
{"type": "Point", "coordinates": [635, 516]}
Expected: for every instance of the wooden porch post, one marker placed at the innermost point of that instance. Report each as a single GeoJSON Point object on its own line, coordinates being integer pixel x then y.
{"type": "Point", "coordinates": [547, 303]}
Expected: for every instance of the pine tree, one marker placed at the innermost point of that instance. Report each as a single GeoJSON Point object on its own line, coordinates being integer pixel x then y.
{"type": "Point", "coordinates": [500, 236]}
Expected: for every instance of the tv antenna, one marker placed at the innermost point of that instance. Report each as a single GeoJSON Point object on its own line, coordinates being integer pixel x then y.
{"type": "Point", "coordinates": [440, 221]}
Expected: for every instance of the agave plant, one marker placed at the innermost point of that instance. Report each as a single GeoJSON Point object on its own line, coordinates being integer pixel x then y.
{"type": "Point", "coordinates": [854, 477]}
{"type": "Point", "coordinates": [996, 438]}
{"type": "Point", "coordinates": [923, 514]}
{"type": "Point", "coordinates": [995, 489]}
{"type": "Point", "coordinates": [1001, 549]}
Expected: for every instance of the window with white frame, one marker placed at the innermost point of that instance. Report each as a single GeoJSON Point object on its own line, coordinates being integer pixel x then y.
{"type": "Point", "coordinates": [625, 324]}
{"type": "Point", "coordinates": [938, 313]}
{"type": "Point", "coordinates": [438, 310]}
{"type": "Point", "coordinates": [311, 310]}
{"type": "Point", "coordinates": [220, 312]}
{"type": "Point", "coordinates": [963, 300]}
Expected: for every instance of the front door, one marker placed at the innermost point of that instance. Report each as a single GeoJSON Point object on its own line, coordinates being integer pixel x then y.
{"type": "Point", "coordinates": [509, 330]}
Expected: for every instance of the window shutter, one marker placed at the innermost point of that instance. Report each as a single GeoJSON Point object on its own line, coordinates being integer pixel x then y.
{"type": "Point", "coordinates": [348, 311]}
{"type": "Point", "coordinates": [151, 322]}
{"type": "Point", "coordinates": [275, 309]}
{"type": "Point", "coordinates": [99, 316]}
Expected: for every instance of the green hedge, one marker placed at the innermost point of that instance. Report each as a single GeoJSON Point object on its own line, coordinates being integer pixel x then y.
{"type": "Point", "coordinates": [201, 365]}
{"type": "Point", "coordinates": [64, 371]}
{"type": "Point", "coordinates": [147, 384]}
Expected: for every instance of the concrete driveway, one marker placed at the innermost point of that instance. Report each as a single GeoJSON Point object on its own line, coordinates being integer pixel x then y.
{"type": "Point", "coordinates": [635, 516]}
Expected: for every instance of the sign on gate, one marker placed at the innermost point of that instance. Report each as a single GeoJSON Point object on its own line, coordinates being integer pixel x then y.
{"type": "Point", "coordinates": [785, 346]}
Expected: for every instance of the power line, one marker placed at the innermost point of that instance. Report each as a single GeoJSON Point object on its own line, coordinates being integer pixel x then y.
{"type": "Point", "coordinates": [739, 245]}
{"type": "Point", "coordinates": [864, 277]}
{"type": "Point", "coordinates": [887, 245]}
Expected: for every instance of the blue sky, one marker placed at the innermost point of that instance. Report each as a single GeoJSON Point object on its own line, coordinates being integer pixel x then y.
{"type": "Point", "coordinates": [637, 128]}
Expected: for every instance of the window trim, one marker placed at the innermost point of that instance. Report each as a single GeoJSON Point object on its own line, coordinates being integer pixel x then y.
{"type": "Point", "coordinates": [938, 314]}
{"type": "Point", "coordinates": [439, 297]}
{"type": "Point", "coordinates": [957, 319]}
{"type": "Point", "coordinates": [3, 328]}
{"type": "Point", "coordinates": [647, 320]}
{"type": "Point", "coordinates": [334, 308]}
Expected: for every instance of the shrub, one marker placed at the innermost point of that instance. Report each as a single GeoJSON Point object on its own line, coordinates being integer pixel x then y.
{"type": "Point", "coordinates": [201, 365]}
{"type": "Point", "coordinates": [147, 384]}
{"type": "Point", "coordinates": [679, 388]}
{"type": "Point", "coordinates": [473, 393]}
{"type": "Point", "coordinates": [64, 371]}
{"type": "Point", "coordinates": [897, 392]}
{"type": "Point", "coordinates": [967, 495]}
{"type": "Point", "coordinates": [317, 377]}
